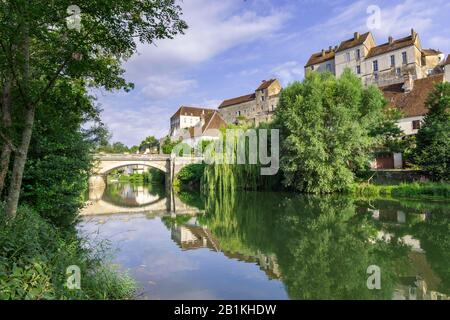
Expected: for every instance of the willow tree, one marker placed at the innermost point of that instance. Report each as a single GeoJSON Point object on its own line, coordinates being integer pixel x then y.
{"type": "Point", "coordinates": [44, 41]}
{"type": "Point", "coordinates": [327, 128]}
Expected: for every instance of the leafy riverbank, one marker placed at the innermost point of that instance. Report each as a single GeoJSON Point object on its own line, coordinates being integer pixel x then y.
{"type": "Point", "coordinates": [429, 190]}
{"type": "Point", "coordinates": [34, 256]}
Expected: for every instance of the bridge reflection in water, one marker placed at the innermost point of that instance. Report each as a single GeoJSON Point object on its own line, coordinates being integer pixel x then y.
{"type": "Point", "coordinates": [135, 198]}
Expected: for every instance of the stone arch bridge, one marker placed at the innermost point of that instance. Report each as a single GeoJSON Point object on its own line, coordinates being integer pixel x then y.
{"type": "Point", "coordinates": [105, 163]}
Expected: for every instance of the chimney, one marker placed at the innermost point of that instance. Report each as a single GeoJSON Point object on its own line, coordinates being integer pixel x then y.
{"type": "Point", "coordinates": [413, 33]}
{"type": "Point", "coordinates": [390, 39]}
{"type": "Point", "coordinates": [202, 119]}
{"type": "Point", "coordinates": [408, 82]}
{"type": "Point", "coordinates": [323, 53]}
{"type": "Point", "coordinates": [356, 35]}
{"type": "Point", "coordinates": [330, 48]}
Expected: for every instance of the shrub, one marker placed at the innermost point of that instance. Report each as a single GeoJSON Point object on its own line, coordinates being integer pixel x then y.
{"type": "Point", "coordinates": [34, 257]}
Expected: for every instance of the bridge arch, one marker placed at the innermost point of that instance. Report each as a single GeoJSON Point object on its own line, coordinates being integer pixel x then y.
{"type": "Point", "coordinates": [105, 167]}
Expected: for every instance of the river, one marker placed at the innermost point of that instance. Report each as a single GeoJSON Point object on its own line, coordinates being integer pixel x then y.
{"type": "Point", "coordinates": [260, 245]}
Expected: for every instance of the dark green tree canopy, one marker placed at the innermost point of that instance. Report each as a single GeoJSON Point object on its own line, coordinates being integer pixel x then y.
{"type": "Point", "coordinates": [328, 128]}
{"type": "Point", "coordinates": [433, 139]}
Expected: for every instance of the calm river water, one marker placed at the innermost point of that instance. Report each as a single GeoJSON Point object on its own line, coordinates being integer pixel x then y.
{"type": "Point", "coordinates": [257, 245]}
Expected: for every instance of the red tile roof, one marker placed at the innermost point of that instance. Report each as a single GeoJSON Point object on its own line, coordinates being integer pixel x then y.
{"type": "Point", "coordinates": [192, 111]}
{"type": "Point", "coordinates": [318, 57]}
{"type": "Point", "coordinates": [391, 46]}
{"type": "Point", "coordinates": [265, 84]}
{"type": "Point", "coordinates": [411, 103]}
{"type": "Point", "coordinates": [248, 97]}
{"type": "Point", "coordinates": [353, 42]}
{"type": "Point", "coordinates": [430, 52]}
{"type": "Point", "coordinates": [237, 100]}
{"type": "Point", "coordinates": [213, 121]}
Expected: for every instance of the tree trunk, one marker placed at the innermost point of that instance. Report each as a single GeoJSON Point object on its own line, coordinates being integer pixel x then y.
{"type": "Point", "coordinates": [20, 159]}
{"type": "Point", "coordinates": [21, 152]}
{"type": "Point", "coordinates": [6, 124]}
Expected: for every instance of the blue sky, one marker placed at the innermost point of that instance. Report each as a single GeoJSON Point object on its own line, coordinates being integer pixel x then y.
{"type": "Point", "coordinates": [231, 45]}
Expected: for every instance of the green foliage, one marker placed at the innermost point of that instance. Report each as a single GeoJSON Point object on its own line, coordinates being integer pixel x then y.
{"type": "Point", "coordinates": [319, 247]}
{"type": "Point", "coordinates": [404, 190]}
{"type": "Point", "coordinates": [230, 176]}
{"type": "Point", "coordinates": [433, 139]}
{"type": "Point", "coordinates": [168, 145]}
{"type": "Point", "coordinates": [34, 257]}
{"type": "Point", "coordinates": [391, 137]}
{"type": "Point", "coordinates": [149, 143]}
{"type": "Point", "coordinates": [190, 176]}
{"type": "Point", "coordinates": [182, 149]}
{"type": "Point", "coordinates": [59, 159]}
{"type": "Point", "coordinates": [328, 131]}
{"type": "Point", "coordinates": [115, 147]}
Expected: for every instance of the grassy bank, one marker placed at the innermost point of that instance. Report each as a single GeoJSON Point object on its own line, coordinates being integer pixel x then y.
{"type": "Point", "coordinates": [429, 190]}
{"type": "Point", "coordinates": [34, 256]}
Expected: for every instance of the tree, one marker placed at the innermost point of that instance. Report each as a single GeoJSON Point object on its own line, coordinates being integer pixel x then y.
{"type": "Point", "coordinates": [149, 143]}
{"type": "Point", "coordinates": [39, 47]}
{"type": "Point", "coordinates": [168, 145]}
{"type": "Point", "coordinates": [433, 139]}
{"type": "Point", "coordinates": [59, 159]}
{"type": "Point", "coordinates": [327, 129]}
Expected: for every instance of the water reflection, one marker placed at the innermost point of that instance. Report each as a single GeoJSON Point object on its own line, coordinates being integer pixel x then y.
{"type": "Point", "coordinates": [133, 195]}
{"type": "Point", "coordinates": [276, 246]}
{"type": "Point", "coordinates": [136, 198]}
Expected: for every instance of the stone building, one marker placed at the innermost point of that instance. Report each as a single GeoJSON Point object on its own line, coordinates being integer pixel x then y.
{"type": "Point", "coordinates": [404, 71]}
{"type": "Point", "coordinates": [253, 108]}
{"type": "Point", "coordinates": [381, 65]}
{"type": "Point", "coordinates": [447, 69]}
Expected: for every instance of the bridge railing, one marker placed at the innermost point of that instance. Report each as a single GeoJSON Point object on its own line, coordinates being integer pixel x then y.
{"type": "Point", "coordinates": [141, 157]}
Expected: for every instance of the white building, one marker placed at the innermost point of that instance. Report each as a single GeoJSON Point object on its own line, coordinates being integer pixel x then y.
{"type": "Point", "coordinates": [207, 129]}
{"type": "Point", "coordinates": [186, 117]}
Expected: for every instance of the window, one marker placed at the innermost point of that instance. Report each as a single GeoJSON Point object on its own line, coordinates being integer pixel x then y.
{"type": "Point", "coordinates": [375, 75]}
{"type": "Point", "coordinates": [329, 67]}
{"type": "Point", "coordinates": [375, 65]}
{"type": "Point", "coordinates": [312, 68]}
{"type": "Point", "coordinates": [398, 72]}
{"type": "Point", "coordinates": [404, 58]}
{"type": "Point", "coordinates": [416, 124]}
{"type": "Point", "coordinates": [358, 54]}
{"type": "Point", "coordinates": [392, 61]}
{"type": "Point", "coordinates": [347, 56]}
{"type": "Point", "coordinates": [262, 98]}
{"type": "Point", "coordinates": [358, 69]}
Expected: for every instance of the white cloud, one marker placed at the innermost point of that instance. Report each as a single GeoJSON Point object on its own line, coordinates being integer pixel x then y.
{"type": "Point", "coordinates": [249, 72]}
{"type": "Point", "coordinates": [288, 72]}
{"type": "Point", "coordinates": [214, 27]}
{"type": "Point", "coordinates": [396, 19]}
{"type": "Point", "coordinates": [161, 71]}
{"type": "Point", "coordinates": [163, 87]}
{"type": "Point", "coordinates": [132, 125]}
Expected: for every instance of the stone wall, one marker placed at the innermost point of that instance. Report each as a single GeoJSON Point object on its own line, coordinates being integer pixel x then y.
{"type": "Point", "coordinates": [400, 176]}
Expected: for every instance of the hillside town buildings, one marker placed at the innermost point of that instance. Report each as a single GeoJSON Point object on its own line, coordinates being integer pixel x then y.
{"type": "Point", "coordinates": [404, 71]}
{"type": "Point", "coordinates": [380, 65]}
{"type": "Point", "coordinates": [253, 108]}
{"type": "Point", "coordinates": [194, 124]}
